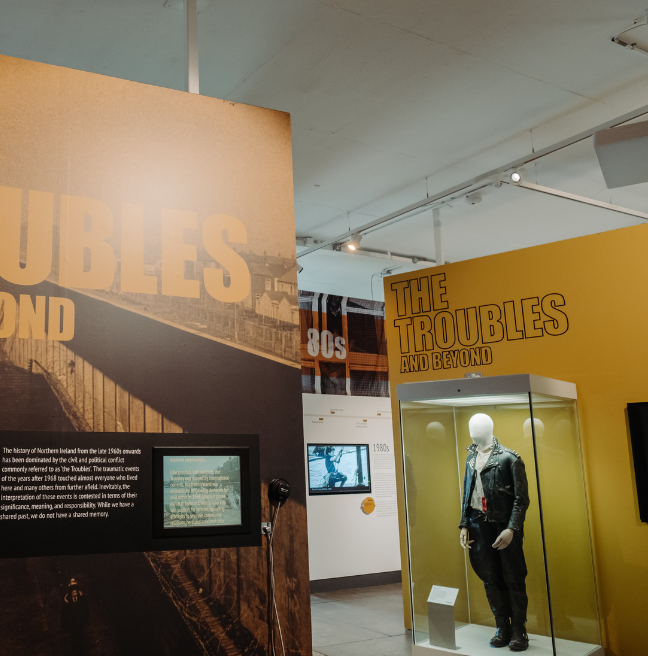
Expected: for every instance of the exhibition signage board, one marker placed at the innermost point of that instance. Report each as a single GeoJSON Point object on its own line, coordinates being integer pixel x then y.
{"type": "Point", "coordinates": [138, 226]}
{"type": "Point", "coordinates": [555, 311]}
{"type": "Point", "coordinates": [368, 525]}
{"type": "Point", "coordinates": [343, 345]}
{"type": "Point", "coordinates": [64, 493]}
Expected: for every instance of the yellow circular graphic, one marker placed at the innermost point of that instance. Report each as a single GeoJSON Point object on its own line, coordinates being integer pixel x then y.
{"type": "Point", "coordinates": [368, 506]}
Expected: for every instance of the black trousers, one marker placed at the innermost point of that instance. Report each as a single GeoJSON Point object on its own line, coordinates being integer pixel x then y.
{"type": "Point", "coordinates": [502, 571]}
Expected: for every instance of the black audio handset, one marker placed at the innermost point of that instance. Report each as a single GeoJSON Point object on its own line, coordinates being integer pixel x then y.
{"type": "Point", "coordinates": [278, 491]}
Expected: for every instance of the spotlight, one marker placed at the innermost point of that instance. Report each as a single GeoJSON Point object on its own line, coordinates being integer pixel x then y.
{"type": "Point", "coordinates": [515, 176]}
{"type": "Point", "coordinates": [354, 243]}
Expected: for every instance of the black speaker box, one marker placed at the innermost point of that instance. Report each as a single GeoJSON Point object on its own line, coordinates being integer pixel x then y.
{"type": "Point", "coordinates": [638, 423]}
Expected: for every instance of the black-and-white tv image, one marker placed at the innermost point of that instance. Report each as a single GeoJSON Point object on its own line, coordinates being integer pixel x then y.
{"type": "Point", "coordinates": [338, 469]}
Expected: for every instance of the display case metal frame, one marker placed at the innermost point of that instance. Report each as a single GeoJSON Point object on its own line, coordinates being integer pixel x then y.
{"type": "Point", "coordinates": [432, 390]}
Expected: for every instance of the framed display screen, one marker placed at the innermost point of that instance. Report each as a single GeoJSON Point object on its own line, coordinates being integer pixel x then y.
{"type": "Point", "coordinates": [201, 491]}
{"type": "Point", "coordinates": [338, 469]}
{"type": "Point", "coordinates": [638, 424]}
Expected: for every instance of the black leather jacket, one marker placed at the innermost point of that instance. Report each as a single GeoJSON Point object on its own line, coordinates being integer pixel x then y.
{"type": "Point", "coordinates": [505, 486]}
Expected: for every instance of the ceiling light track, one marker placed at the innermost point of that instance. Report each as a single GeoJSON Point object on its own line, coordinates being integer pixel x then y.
{"type": "Point", "coordinates": [469, 186]}
{"type": "Point", "coordinates": [432, 205]}
{"type": "Point", "coordinates": [580, 199]}
{"type": "Point", "coordinates": [384, 255]}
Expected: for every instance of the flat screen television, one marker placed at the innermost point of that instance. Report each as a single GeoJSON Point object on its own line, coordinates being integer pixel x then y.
{"type": "Point", "coordinates": [638, 424]}
{"type": "Point", "coordinates": [201, 491]}
{"type": "Point", "coordinates": [338, 469]}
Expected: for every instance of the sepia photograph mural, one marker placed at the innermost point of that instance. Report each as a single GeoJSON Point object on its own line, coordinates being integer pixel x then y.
{"type": "Point", "coordinates": [148, 284]}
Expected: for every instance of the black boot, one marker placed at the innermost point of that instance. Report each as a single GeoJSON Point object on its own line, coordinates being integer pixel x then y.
{"type": "Point", "coordinates": [502, 636]}
{"type": "Point", "coordinates": [519, 637]}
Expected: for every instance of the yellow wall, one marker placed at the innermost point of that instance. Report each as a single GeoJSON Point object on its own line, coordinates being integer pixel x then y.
{"type": "Point", "coordinates": [602, 351]}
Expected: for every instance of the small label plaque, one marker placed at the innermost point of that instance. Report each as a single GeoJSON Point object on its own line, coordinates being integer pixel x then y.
{"type": "Point", "coordinates": [441, 595]}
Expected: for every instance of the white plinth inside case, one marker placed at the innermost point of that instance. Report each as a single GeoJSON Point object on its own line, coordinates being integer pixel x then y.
{"type": "Point", "coordinates": [441, 619]}
{"type": "Point", "coordinates": [473, 640]}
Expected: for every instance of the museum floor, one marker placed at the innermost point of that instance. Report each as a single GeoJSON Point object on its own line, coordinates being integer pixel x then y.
{"type": "Point", "coordinates": [360, 622]}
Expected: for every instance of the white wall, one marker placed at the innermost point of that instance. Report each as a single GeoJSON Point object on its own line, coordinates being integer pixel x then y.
{"type": "Point", "coordinates": [343, 541]}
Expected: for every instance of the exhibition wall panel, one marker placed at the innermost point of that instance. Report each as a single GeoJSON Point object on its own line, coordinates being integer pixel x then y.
{"type": "Point", "coordinates": [132, 222]}
{"type": "Point", "coordinates": [559, 311]}
{"type": "Point", "coordinates": [345, 540]}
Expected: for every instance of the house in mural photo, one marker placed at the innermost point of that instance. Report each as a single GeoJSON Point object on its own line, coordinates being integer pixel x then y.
{"type": "Point", "coordinates": [273, 289]}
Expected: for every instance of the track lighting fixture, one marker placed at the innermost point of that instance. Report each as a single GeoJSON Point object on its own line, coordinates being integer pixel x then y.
{"type": "Point", "coordinates": [354, 243]}
{"type": "Point", "coordinates": [515, 176]}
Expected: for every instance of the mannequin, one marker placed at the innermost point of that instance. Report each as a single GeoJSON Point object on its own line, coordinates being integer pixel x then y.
{"type": "Point", "coordinates": [494, 505]}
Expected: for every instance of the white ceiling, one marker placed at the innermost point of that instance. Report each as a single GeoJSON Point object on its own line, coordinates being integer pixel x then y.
{"type": "Point", "coordinates": [385, 94]}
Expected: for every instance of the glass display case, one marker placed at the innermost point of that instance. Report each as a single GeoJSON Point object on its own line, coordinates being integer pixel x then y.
{"type": "Point", "coordinates": [501, 457]}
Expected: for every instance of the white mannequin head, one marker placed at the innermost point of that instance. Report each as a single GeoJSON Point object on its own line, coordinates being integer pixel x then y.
{"type": "Point", "coordinates": [480, 428]}
{"type": "Point", "coordinates": [538, 425]}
